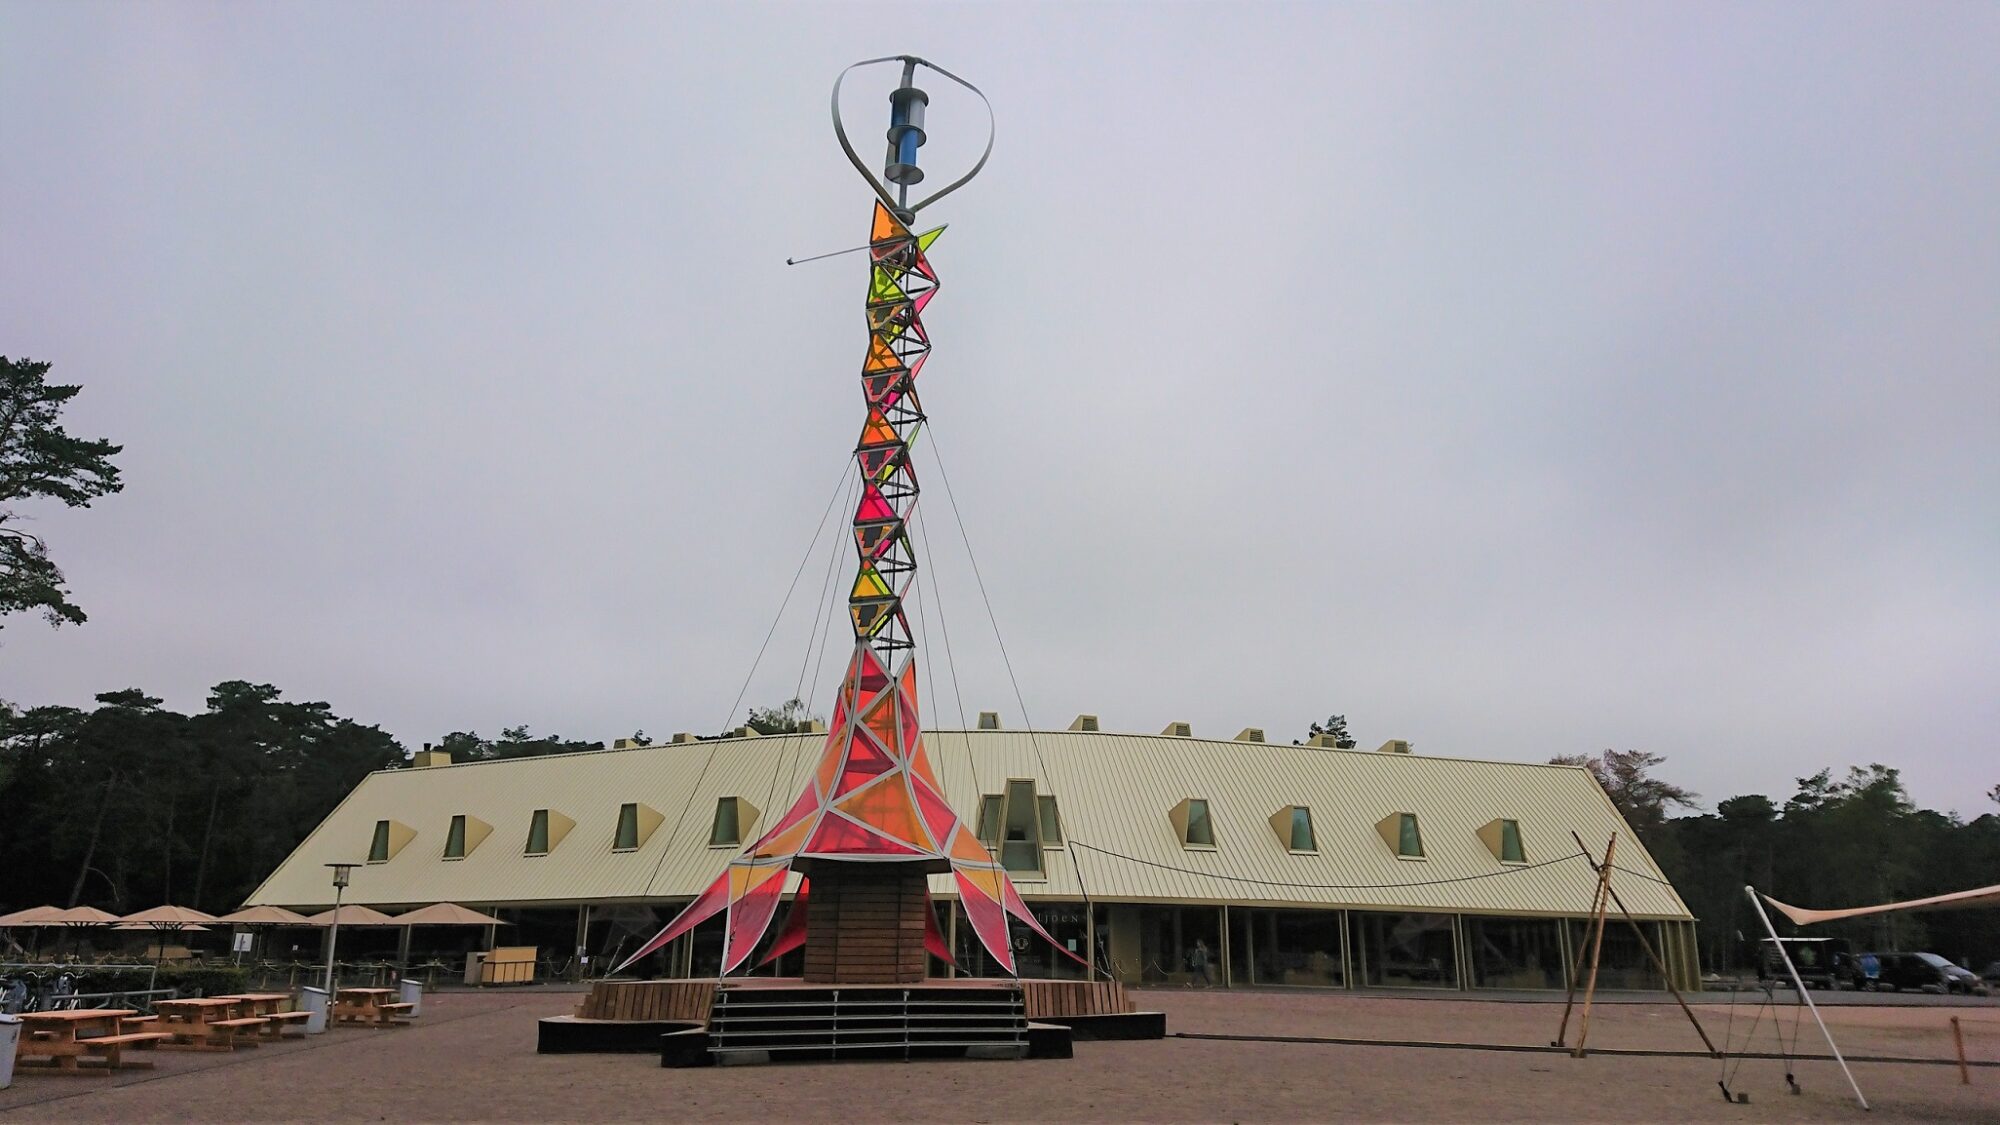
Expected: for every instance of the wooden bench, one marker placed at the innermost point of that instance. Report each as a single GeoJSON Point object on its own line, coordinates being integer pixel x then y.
{"type": "Point", "coordinates": [128, 1021]}
{"type": "Point", "coordinates": [282, 1022]}
{"type": "Point", "coordinates": [112, 1047]}
{"type": "Point", "coordinates": [241, 1023]}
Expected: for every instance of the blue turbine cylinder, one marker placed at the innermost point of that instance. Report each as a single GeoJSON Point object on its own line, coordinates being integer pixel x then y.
{"type": "Point", "coordinates": [906, 132]}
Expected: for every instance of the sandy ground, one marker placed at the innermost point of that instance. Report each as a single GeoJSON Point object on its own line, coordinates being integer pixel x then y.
{"type": "Point", "coordinates": [471, 1056]}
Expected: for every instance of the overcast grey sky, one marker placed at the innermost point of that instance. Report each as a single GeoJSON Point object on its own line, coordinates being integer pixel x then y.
{"type": "Point", "coordinates": [1519, 379]}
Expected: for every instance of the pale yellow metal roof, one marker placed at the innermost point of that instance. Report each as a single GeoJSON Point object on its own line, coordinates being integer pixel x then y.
{"type": "Point", "coordinates": [1114, 792]}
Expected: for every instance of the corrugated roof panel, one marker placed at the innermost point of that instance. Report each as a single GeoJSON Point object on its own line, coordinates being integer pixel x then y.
{"type": "Point", "coordinates": [1114, 792]}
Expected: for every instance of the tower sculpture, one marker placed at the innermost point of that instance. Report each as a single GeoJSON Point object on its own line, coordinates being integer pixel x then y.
{"type": "Point", "coordinates": [872, 824]}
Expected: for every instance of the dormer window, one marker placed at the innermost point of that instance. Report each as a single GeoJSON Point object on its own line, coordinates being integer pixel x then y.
{"type": "Point", "coordinates": [1192, 824]}
{"type": "Point", "coordinates": [1503, 838]}
{"type": "Point", "coordinates": [465, 835]}
{"type": "Point", "coordinates": [1302, 831]}
{"type": "Point", "coordinates": [1293, 825]}
{"type": "Point", "coordinates": [989, 819]}
{"type": "Point", "coordinates": [733, 816]}
{"type": "Point", "coordinates": [628, 828]}
{"type": "Point", "coordinates": [546, 829]}
{"type": "Point", "coordinates": [1052, 836]}
{"type": "Point", "coordinates": [1018, 824]}
{"type": "Point", "coordinates": [388, 838]}
{"type": "Point", "coordinates": [1399, 830]}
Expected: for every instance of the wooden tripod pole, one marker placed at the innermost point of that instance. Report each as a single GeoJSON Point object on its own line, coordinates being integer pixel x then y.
{"type": "Point", "coordinates": [1576, 970]}
{"type": "Point", "coordinates": [1640, 932]}
{"type": "Point", "coordinates": [1596, 945]}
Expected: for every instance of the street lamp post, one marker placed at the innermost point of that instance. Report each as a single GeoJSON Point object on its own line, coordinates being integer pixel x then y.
{"type": "Point", "coordinates": [340, 871]}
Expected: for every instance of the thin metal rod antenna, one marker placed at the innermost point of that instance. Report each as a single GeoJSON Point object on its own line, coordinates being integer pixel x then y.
{"type": "Point", "coordinates": [881, 191]}
{"type": "Point", "coordinates": [853, 249]}
{"type": "Point", "coordinates": [1803, 994]}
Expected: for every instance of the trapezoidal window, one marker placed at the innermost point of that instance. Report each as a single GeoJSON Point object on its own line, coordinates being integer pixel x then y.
{"type": "Point", "coordinates": [1302, 830]}
{"type": "Point", "coordinates": [726, 830]}
{"type": "Point", "coordinates": [1409, 841]}
{"type": "Point", "coordinates": [454, 840]}
{"type": "Point", "coordinates": [628, 828]}
{"type": "Point", "coordinates": [388, 839]}
{"type": "Point", "coordinates": [989, 819]}
{"type": "Point", "coordinates": [1293, 826]}
{"type": "Point", "coordinates": [1192, 823]}
{"type": "Point", "coordinates": [1399, 830]}
{"type": "Point", "coordinates": [1503, 838]}
{"type": "Point", "coordinates": [1017, 824]}
{"type": "Point", "coordinates": [1052, 836]}
{"type": "Point", "coordinates": [546, 829]}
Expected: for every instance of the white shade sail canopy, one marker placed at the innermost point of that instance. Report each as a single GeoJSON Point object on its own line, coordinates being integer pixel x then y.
{"type": "Point", "coordinates": [1957, 900]}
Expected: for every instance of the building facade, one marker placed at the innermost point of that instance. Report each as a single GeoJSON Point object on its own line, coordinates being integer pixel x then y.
{"type": "Point", "coordinates": [1163, 859]}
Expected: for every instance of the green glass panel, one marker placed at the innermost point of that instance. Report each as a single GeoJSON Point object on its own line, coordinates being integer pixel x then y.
{"type": "Point", "coordinates": [628, 828]}
{"type": "Point", "coordinates": [725, 829]}
{"type": "Point", "coordinates": [1510, 842]}
{"type": "Point", "coordinates": [1302, 831]}
{"type": "Point", "coordinates": [925, 239]}
{"type": "Point", "coordinates": [1198, 829]}
{"type": "Point", "coordinates": [1051, 822]}
{"type": "Point", "coordinates": [454, 840]}
{"type": "Point", "coordinates": [378, 848]}
{"type": "Point", "coordinates": [1408, 841]}
{"type": "Point", "coordinates": [538, 833]}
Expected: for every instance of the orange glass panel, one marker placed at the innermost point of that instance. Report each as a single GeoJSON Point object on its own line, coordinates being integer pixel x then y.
{"type": "Point", "coordinates": [886, 808]}
{"type": "Point", "coordinates": [784, 843]}
{"type": "Point", "coordinates": [967, 847]}
{"type": "Point", "coordinates": [878, 431]}
{"type": "Point", "coordinates": [886, 227]}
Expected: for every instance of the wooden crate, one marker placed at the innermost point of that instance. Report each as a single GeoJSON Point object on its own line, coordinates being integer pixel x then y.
{"type": "Point", "coordinates": [509, 964]}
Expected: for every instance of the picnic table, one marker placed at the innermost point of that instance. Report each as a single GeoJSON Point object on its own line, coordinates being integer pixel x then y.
{"type": "Point", "coordinates": [273, 1008]}
{"type": "Point", "coordinates": [81, 1041]}
{"type": "Point", "coordinates": [370, 1007]}
{"type": "Point", "coordinates": [206, 1024]}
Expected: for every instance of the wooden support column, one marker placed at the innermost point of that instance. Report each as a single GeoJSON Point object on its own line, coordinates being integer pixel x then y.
{"type": "Point", "coordinates": [865, 924]}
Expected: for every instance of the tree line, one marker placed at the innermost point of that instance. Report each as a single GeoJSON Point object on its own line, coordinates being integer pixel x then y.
{"type": "Point", "coordinates": [130, 804]}
{"type": "Point", "coordinates": [1852, 839]}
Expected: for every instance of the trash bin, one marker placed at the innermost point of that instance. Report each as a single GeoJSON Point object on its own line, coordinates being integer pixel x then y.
{"type": "Point", "coordinates": [475, 965]}
{"type": "Point", "coordinates": [10, 1035]}
{"type": "Point", "coordinates": [316, 1001]}
{"type": "Point", "coordinates": [413, 995]}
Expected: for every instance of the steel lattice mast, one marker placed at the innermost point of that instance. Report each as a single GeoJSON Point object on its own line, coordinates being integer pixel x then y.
{"type": "Point", "coordinates": [874, 797]}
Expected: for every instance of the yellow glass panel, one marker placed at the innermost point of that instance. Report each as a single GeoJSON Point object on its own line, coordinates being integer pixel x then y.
{"type": "Point", "coordinates": [743, 880]}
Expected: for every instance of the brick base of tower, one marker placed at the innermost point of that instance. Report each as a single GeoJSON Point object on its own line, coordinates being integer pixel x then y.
{"type": "Point", "coordinates": [865, 924]}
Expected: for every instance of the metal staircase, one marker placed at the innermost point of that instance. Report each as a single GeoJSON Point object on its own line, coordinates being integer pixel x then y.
{"type": "Point", "coordinates": [815, 1023]}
